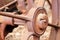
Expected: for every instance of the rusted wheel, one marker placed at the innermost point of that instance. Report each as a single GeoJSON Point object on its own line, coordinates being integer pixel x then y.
{"type": "Point", "coordinates": [39, 20]}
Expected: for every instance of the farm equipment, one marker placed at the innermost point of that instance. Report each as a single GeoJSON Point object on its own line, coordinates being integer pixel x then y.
{"type": "Point", "coordinates": [25, 12]}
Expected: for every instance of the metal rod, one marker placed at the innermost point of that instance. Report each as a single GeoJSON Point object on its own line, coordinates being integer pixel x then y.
{"type": "Point", "coordinates": [8, 14]}
{"type": "Point", "coordinates": [8, 4]}
{"type": "Point", "coordinates": [52, 25]}
{"type": "Point", "coordinates": [49, 4]}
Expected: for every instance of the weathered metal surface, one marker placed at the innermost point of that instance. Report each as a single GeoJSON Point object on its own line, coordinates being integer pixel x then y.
{"type": "Point", "coordinates": [52, 25]}
{"type": "Point", "coordinates": [4, 2]}
{"type": "Point", "coordinates": [55, 34]}
{"type": "Point", "coordinates": [33, 18]}
{"type": "Point", "coordinates": [58, 30]}
{"type": "Point", "coordinates": [49, 3]}
{"type": "Point", "coordinates": [10, 4]}
{"type": "Point", "coordinates": [8, 14]}
{"type": "Point", "coordinates": [8, 21]}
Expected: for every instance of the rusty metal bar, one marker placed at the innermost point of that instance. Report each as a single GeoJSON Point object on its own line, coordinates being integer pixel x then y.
{"type": "Point", "coordinates": [52, 25]}
{"type": "Point", "coordinates": [8, 14]}
{"type": "Point", "coordinates": [49, 4]}
{"type": "Point", "coordinates": [8, 4]}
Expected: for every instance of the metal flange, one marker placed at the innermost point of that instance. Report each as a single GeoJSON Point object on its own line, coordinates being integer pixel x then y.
{"type": "Point", "coordinates": [38, 20]}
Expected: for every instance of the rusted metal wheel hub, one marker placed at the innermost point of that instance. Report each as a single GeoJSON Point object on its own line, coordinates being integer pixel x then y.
{"type": "Point", "coordinates": [39, 20]}
{"type": "Point", "coordinates": [41, 23]}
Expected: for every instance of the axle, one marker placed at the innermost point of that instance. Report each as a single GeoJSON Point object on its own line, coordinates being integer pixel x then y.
{"type": "Point", "coordinates": [8, 14]}
{"type": "Point", "coordinates": [52, 25]}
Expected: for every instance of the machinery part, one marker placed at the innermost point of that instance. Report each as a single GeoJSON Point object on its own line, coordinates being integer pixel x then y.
{"type": "Point", "coordinates": [52, 25]}
{"type": "Point", "coordinates": [5, 4]}
{"type": "Point", "coordinates": [49, 3]}
{"type": "Point", "coordinates": [8, 21]}
{"type": "Point", "coordinates": [36, 20]}
{"type": "Point", "coordinates": [21, 4]}
{"type": "Point", "coordinates": [8, 14]}
{"type": "Point", "coordinates": [39, 20]}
